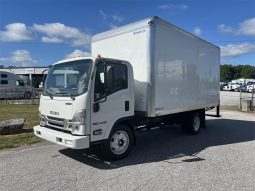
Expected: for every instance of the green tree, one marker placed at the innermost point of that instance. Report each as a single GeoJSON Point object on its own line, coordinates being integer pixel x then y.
{"type": "Point", "coordinates": [226, 72]}
{"type": "Point", "coordinates": [248, 72]}
{"type": "Point", "coordinates": [230, 72]}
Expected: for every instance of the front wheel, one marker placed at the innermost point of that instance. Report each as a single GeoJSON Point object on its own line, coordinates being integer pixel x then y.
{"type": "Point", "coordinates": [119, 144]}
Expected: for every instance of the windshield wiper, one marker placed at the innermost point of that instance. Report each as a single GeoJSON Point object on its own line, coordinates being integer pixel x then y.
{"type": "Point", "coordinates": [51, 96]}
{"type": "Point", "coordinates": [61, 93]}
{"type": "Point", "coordinates": [64, 93]}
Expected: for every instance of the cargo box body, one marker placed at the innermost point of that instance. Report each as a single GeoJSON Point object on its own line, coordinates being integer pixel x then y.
{"type": "Point", "coordinates": [174, 71]}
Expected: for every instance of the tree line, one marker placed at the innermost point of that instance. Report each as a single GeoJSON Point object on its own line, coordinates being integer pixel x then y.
{"type": "Point", "coordinates": [230, 72]}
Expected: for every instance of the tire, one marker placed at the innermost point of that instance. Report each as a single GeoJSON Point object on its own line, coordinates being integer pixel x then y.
{"type": "Point", "coordinates": [193, 122]}
{"type": "Point", "coordinates": [27, 95]}
{"type": "Point", "coordinates": [119, 144]}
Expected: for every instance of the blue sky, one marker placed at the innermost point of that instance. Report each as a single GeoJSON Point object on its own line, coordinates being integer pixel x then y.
{"type": "Point", "coordinates": [41, 32]}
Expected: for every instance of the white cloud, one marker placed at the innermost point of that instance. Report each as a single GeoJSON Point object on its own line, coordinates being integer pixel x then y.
{"type": "Point", "coordinates": [51, 39]}
{"type": "Point", "coordinates": [174, 7]}
{"type": "Point", "coordinates": [20, 57]}
{"type": "Point", "coordinates": [51, 33]}
{"type": "Point", "coordinates": [225, 29]}
{"type": "Point", "coordinates": [197, 31]}
{"type": "Point", "coordinates": [117, 17]}
{"type": "Point", "coordinates": [77, 53]}
{"type": "Point", "coordinates": [15, 32]}
{"type": "Point", "coordinates": [103, 14]}
{"type": "Point", "coordinates": [246, 27]}
{"type": "Point", "coordinates": [58, 32]}
{"type": "Point", "coordinates": [233, 50]}
{"type": "Point", "coordinates": [114, 17]}
{"type": "Point", "coordinates": [113, 26]}
{"type": "Point", "coordinates": [112, 20]}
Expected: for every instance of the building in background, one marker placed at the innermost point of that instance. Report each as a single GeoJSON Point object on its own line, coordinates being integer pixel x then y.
{"type": "Point", "coordinates": [31, 75]}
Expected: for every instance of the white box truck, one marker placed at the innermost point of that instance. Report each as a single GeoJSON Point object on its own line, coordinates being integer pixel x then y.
{"type": "Point", "coordinates": [139, 76]}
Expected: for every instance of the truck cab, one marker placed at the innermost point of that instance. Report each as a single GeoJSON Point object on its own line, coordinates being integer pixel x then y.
{"type": "Point", "coordinates": [83, 99]}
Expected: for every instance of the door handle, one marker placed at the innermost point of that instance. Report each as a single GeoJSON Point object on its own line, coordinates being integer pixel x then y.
{"type": "Point", "coordinates": [126, 105]}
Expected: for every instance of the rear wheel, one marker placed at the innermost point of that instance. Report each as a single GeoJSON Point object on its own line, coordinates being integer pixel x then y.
{"type": "Point", "coordinates": [119, 144]}
{"type": "Point", "coordinates": [27, 95]}
{"type": "Point", "coordinates": [193, 122]}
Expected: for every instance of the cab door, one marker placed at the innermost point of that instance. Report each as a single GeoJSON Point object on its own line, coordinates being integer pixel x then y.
{"type": "Point", "coordinates": [110, 97]}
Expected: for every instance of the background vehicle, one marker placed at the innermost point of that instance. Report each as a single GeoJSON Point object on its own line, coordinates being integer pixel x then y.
{"type": "Point", "coordinates": [251, 87]}
{"type": "Point", "coordinates": [151, 73]}
{"type": "Point", "coordinates": [12, 86]}
{"type": "Point", "coordinates": [227, 87]}
{"type": "Point", "coordinates": [241, 88]}
{"type": "Point", "coordinates": [222, 84]}
{"type": "Point", "coordinates": [234, 86]}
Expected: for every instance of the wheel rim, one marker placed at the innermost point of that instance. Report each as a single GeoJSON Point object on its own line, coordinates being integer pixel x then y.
{"type": "Point", "coordinates": [196, 123]}
{"type": "Point", "coordinates": [27, 95]}
{"type": "Point", "coordinates": [119, 142]}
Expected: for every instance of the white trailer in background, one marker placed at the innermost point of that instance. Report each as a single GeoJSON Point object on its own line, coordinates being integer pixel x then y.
{"type": "Point", "coordinates": [12, 86]}
{"type": "Point", "coordinates": [141, 75]}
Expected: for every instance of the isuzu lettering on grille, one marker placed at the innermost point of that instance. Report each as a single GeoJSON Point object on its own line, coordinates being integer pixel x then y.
{"type": "Point", "coordinates": [54, 113]}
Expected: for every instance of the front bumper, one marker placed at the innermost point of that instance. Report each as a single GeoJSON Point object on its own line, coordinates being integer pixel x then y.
{"type": "Point", "coordinates": [71, 141]}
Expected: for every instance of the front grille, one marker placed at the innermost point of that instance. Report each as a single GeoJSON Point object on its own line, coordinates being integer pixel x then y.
{"type": "Point", "coordinates": [55, 124]}
{"type": "Point", "coordinates": [55, 118]}
{"type": "Point", "coordinates": [58, 123]}
{"type": "Point", "coordinates": [57, 129]}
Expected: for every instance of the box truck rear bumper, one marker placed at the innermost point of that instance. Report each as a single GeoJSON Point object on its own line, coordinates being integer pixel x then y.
{"type": "Point", "coordinates": [71, 141]}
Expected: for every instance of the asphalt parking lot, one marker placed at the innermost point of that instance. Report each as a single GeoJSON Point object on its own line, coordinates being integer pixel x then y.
{"type": "Point", "coordinates": [221, 157]}
{"type": "Point", "coordinates": [231, 99]}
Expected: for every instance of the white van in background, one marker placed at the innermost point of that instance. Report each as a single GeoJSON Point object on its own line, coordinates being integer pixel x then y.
{"type": "Point", "coordinates": [12, 86]}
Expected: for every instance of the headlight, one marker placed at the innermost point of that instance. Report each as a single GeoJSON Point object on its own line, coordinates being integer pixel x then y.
{"type": "Point", "coordinates": [42, 120]}
{"type": "Point", "coordinates": [78, 122]}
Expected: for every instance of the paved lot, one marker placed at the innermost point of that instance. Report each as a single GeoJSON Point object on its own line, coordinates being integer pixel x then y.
{"type": "Point", "coordinates": [221, 157]}
{"type": "Point", "coordinates": [233, 98]}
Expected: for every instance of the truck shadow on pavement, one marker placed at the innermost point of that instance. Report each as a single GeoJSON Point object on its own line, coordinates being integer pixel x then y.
{"type": "Point", "coordinates": [170, 145]}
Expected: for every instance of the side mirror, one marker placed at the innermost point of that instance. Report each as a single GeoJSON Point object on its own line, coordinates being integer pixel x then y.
{"type": "Point", "coordinates": [96, 106]}
{"type": "Point", "coordinates": [41, 85]}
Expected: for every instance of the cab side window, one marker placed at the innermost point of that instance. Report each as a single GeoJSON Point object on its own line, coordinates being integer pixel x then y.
{"type": "Point", "coordinates": [116, 78]}
{"type": "Point", "coordinates": [4, 82]}
{"type": "Point", "coordinates": [19, 83]}
{"type": "Point", "coordinates": [3, 75]}
{"type": "Point", "coordinates": [110, 78]}
{"type": "Point", "coordinates": [100, 82]}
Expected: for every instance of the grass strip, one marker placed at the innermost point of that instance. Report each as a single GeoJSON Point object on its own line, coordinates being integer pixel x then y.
{"type": "Point", "coordinates": [12, 141]}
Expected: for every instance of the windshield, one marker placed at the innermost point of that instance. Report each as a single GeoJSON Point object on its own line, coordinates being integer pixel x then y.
{"type": "Point", "coordinates": [68, 79]}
